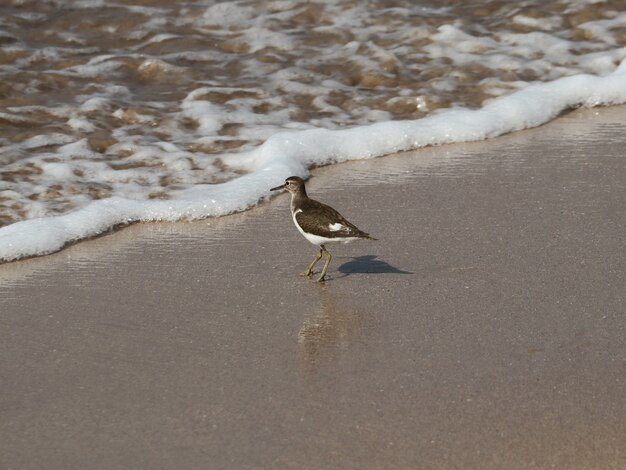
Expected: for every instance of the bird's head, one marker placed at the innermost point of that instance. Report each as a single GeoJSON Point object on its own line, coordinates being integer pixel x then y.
{"type": "Point", "coordinates": [293, 184]}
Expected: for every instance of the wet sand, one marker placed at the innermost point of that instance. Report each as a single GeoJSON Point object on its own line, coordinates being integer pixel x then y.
{"type": "Point", "coordinates": [485, 330]}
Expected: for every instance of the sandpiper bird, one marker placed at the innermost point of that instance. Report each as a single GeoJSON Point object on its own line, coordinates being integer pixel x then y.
{"type": "Point", "coordinates": [319, 223]}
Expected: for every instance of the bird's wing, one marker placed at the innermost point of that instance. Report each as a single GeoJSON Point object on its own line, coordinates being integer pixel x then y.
{"type": "Point", "coordinates": [319, 219]}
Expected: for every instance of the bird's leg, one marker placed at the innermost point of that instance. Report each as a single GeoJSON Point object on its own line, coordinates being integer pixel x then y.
{"type": "Point", "coordinates": [328, 258]}
{"type": "Point", "coordinates": [310, 270]}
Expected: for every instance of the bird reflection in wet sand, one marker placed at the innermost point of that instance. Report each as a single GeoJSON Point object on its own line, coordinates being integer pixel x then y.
{"type": "Point", "coordinates": [326, 332]}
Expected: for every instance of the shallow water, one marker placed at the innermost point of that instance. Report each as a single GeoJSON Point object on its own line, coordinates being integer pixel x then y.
{"type": "Point", "coordinates": [142, 100]}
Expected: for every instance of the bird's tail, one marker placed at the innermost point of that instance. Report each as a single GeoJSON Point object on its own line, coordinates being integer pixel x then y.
{"type": "Point", "coordinates": [367, 236]}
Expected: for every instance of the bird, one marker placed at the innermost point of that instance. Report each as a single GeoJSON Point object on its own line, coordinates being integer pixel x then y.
{"type": "Point", "coordinates": [318, 223]}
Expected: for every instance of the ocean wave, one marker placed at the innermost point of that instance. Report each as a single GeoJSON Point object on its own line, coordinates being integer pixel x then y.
{"type": "Point", "coordinates": [293, 153]}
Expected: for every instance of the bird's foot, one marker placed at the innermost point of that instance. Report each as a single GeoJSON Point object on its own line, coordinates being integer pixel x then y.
{"type": "Point", "coordinates": [306, 273]}
{"type": "Point", "coordinates": [321, 279]}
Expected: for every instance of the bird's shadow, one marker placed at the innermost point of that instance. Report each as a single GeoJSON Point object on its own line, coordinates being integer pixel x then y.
{"type": "Point", "coordinates": [368, 264]}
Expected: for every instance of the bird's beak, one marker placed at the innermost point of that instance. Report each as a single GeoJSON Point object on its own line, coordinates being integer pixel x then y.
{"type": "Point", "coordinates": [282, 186]}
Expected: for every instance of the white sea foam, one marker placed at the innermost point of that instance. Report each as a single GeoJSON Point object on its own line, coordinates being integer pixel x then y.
{"type": "Point", "coordinates": [294, 152]}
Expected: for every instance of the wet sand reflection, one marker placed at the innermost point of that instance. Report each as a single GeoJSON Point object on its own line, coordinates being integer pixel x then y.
{"type": "Point", "coordinates": [329, 331]}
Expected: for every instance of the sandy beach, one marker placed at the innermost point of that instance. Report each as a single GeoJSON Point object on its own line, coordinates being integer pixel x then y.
{"type": "Point", "coordinates": [484, 330]}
